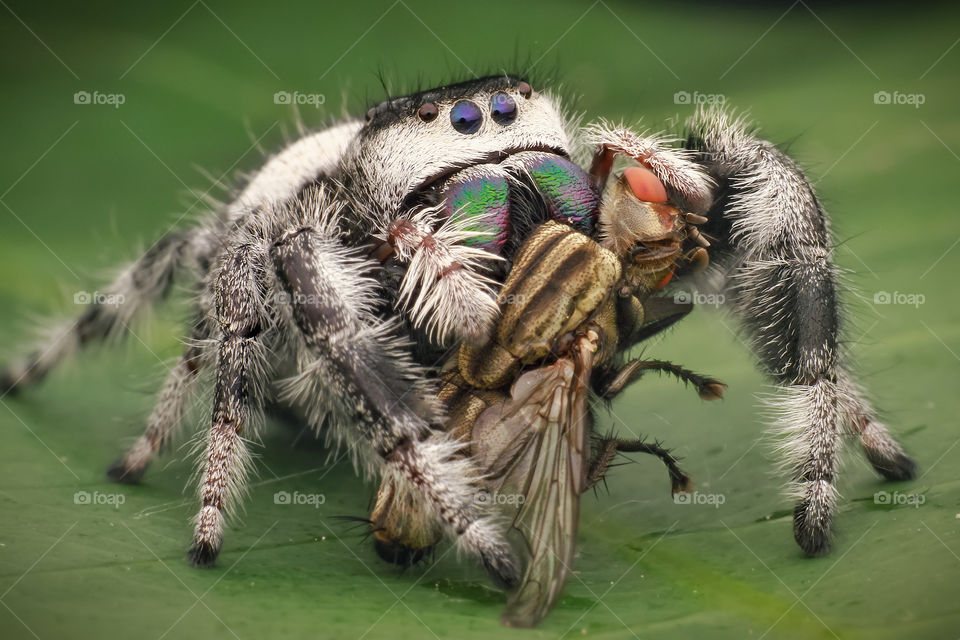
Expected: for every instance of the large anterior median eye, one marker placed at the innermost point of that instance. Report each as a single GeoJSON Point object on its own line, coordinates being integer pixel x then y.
{"type": "Point", "coordinates": [466, 117]}
{"type": "Point", "coordinates": [503, 108]}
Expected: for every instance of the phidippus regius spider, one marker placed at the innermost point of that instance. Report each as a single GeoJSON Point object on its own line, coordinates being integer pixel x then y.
{"type": "Point", "coordinates": [340, 273]}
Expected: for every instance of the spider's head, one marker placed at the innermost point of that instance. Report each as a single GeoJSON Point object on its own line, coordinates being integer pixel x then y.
{"type": "Point", "coordinates": [411, 144]}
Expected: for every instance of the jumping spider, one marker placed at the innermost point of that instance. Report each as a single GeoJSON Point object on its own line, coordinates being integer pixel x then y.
{"type": "Point", "coordinates": [346, 264]}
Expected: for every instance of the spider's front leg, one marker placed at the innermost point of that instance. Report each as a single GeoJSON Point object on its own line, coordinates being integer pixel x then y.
{"type": "Point", "coordinates": [377, 390]}
{"type": "Point", "coordinates": [773, 261]}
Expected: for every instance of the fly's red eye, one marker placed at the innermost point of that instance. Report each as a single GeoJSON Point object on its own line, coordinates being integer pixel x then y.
{"type": "Point", "coordinates": [428, 112]}
{"type": "Point", "coordinates": [525, 89]}
{"type": "Point", "coordinates": [503, 108]}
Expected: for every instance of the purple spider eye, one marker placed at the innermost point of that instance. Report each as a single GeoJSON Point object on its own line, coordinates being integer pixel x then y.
{"type": "Point", "coordinates": [466, 117]}
{"type": "Point", "coordinates": [503, 108]}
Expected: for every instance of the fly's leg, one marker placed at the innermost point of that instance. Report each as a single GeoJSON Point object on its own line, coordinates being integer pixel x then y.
{"type": "Point", "coordinates": [607, 448]}
{"type": "Point", "coordinates": [708, 388]}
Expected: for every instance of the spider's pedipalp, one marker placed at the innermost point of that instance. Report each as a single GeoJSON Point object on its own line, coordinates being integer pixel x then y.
{"type": "Point", "coordinates": [681, 175]}
{"type": "Point", "coordinates": [443, 289]}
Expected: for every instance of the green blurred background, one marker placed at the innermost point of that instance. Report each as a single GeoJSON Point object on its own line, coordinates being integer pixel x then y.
{"type": "Point", "coordinates": [83, 185]}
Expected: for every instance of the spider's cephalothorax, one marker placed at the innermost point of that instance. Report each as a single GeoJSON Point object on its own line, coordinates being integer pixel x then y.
{"type": "Point", "coordinates": [346, 263]}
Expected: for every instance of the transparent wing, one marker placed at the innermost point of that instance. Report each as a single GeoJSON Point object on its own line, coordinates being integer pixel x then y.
{"type": "Point", "coordinates": [533, 446]}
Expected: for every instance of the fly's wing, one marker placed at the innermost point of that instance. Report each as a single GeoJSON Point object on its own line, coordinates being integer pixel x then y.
{"type": "Point", "coordinates": [534, 448]}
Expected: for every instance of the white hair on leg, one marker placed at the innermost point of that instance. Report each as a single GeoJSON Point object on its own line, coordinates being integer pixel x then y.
{"type": "Point", "coordinates": [884, 453]}
{"type": "Point", "coordinates": [808, 422]}
{"type": "Point", "coordinates": [443, 290]}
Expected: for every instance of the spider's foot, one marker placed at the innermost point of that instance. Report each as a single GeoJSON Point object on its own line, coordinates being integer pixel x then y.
{"type": "Point", "coordinates": [203, 554]}
{"type": "Point", "coordinates": [399, 554]}
{"type": "Point", "coordinates": [123, 473]}
{"type": "Point", "coordinates": [8, 384]}
{"type": "Point", "coordinates": [484, 539]}
{"type": "Point", "coordinates": [712, 389]}
{"type": "Point", "coordinates": [501, 566]}
{"type": "Point", "coordinates": [812, 528]}
{"type": "Point", "coordinates": [897, 467]}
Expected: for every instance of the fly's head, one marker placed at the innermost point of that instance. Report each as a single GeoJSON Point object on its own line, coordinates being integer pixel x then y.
{"type": "Point", "coordinates": [650, 235]}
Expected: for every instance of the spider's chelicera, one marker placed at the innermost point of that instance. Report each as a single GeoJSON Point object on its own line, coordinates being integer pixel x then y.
{"type": "Point", "coordinates": [347, 265]}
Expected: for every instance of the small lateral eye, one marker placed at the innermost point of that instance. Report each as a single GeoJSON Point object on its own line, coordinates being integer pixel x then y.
{"type": "Point", "coordinates": [466, 117]}
{"type": "Point", "coordinates": [370, 113]}
{"type": "Point", "coordinates": [503, 108]}
{"type": "Point", "coordinates": [525, 89]}
{"type": "Point", "coordinates": [428, 112]}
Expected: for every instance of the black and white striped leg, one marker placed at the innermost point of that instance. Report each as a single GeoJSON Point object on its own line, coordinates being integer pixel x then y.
{"type": "Point", "coordinates": [707, 388]}
{"type": "Point", "coordinates": [167, 416]}
{"type": "Point", "coordinates": [241, 370]}
{"type": "Point", "coordinates": [377, 389]}
{"type": "Point", "coordinates": [773, 261]}
{"type": "Point", "coordinates": [108, 312]}
{"type": "Point", "coordinates": [881, 449]}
